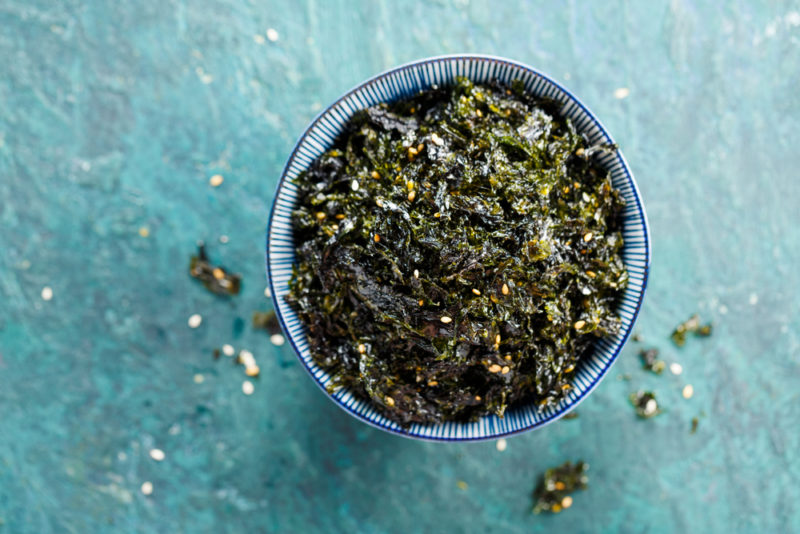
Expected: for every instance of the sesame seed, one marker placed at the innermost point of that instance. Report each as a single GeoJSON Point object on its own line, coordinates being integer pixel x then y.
{"type": "Point", "coordinates": [223, 239]}
{"type": "Point", "coordinates": [505, 289]}
{"type": "Point", "coordinates": [476, 291]}
{"type": "Point", "coordinates": [507, 357]}
{"type": "Point", "coordinates": [556, 508]}
{"type": "Point", "coordinates": [688, 391]}
{"type": "Point", "coordinates": [675, 368]}
{"type": "Point", "coordinates": [376, 175]}
{"type": "Point", "coordinates": [591, 274]}
{"type": "Point", "coordinates": [438, 141]}
{"type": "Point", "coordinates": [340, 216]}
{"type": "Point", "coordinates": [579, 324]}
{"type": "Point", "coordinates": [497, 339]}
{"type": "Point", "coordinates": [421, 302]}
{"type": "Point", "coordinates": [621, 92]}
{"type": "Point", "coordinates": [420, 147]}
{"type": "Point", "coordinates": [477, 398]}
{"type": "Point", "coordinates": [388, 400]}
{"type": "Point", "coordinates": [753, 299]}
{"type": "Point", "coordinates": [248, 388]}
{"type": "Point", "coordinates": [412, 152]}
{"type": "Point", "coordinates": [560, 485]}
{"type": "Point", "coordinates": [650, 407]}
{"type": "Point", "coordinates": [586, 291]}
{"type": "Point", "coordinates": [416, 273]}
{"type": "Point", "coordinates": [437, 215]}
{"type": "Point", "coordinates": [272, 34]}
{"type": "Point", "coordinates": [377, 238]}
{"type": "Point", "coordinates": [462, 485]}
{"type": "Point", "coordinates": [501, 444]}
{"type": "Point", "coordinates": [445, 319]}
{"type": "Point", "coordinates": [586, 198]}
{"type": "Point", "coordinates": [216, 180]}
{"type": "Point", "coordinates": [252, 370]}
{"type": "Point", "coordinates": [412, 195]}
{"type": "Point", "coordinates": [505, 370]}
{"type": "Point", "coordinates": [227, 350]}
{"type": "Point", "coordinates": [147, 488]}
{"type": "Point", "coordinates": [362, 348]}
{"type": "Point", "coordinates": [157, 454]}
{"type": "Point", "coordinates": [321, 215]}
{"type": "Point", "coordinates": [195, 320]}
{"type": "Point", "coordinates": [267, 293]}
{"type": "Point", "coordinates": [494, 368]}
{"type": "Point", "coordinates": [218, 273]}
{"type": "Point", "coordinates": [410, 185]}
{"type": "Point", "coordinates": [277, 339]}
{"type": "Point", "coordinates": [379, 202]}
{"type": "Point", "coordinates": [588, 237]}
{"type": "Point", "coordinates": [433, 383]}
{"type": "Point", "coordinates": [579, 152]}
{"type": "Point", "coordinates": [199, 379]}
{"type": "Point", "coordinates": [566, 502]}
{"type": "Point", "coordinates": [246, 358]}
{"type": "Point", "coordinates": [144, 231]}
{"type": "Point", "coordinates": [47, 293]}
{"type": "Point", "coordinates": [354, 185]}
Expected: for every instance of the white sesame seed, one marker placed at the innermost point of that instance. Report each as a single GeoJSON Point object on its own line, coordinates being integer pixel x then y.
{"type": "Point", "coordinates": [688, 391]}
{"type": "Point", "coordinates": [586, 291]}
{"type": "Point", "coordinates": [248, 388]}
{"type": "Point", "coordinates": [157, 454]}
{"type": "Point", "coordinates": [147, 488]}
{"type": "Point", "coordinates": [723, 309]}
{"type": "Point", "coordinates": [227, 350]}
{"type": "Point", "coordinates": [174, 430]}
{"type": "Point", "coordinates": [277, 339]}
{"type": "Point", "coordinates": [586, 198]}
{"type": "Point", "coordinates": [675, 368]}
{"type": "Point", "coordinates": [47, 293]}
{"type": "Point", "coordinates": [416, 273]}
{"type": "Point", "coordinates": [753, 299]}
{"type": "Point", "coordinates": [199, 379]}
{"type": "Point", "coordinates": [438, 141]}
{"type": "Point", "coordinates": [195, 320]}
{"type": "Point", "coordinates": [622, 92]}
{"type": "Point", "coordinates": [651, 407]}
{"type": "Point", "coordinates": [354, 185]}
{"type": "Point", "coordinates": [223, 239]}
{"type": "Point", "coordinates": [501, 444]}
{"type": "Point", "coordinates": [445, 319]}
{"type": "Point", "coordinates": [246, 358]}
{"type": "Point", "coordinates": [272, 34]}
{"type": "Point", "coordinates": [267, 293]}
{"type": "Point", "coordinates": [216, 180]}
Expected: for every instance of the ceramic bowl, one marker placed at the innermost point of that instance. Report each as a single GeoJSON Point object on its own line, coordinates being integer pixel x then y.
{"type": "Point", "coordinates": [405, 81]}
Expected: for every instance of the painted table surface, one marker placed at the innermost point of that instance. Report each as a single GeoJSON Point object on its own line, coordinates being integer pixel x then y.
{"type": "Point", "coordinates": [113, 116]}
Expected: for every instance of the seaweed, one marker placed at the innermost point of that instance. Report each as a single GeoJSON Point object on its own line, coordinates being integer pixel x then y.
{"type": "Point", "coordinates": [651, 362]}
{"type": "Point", "coordinates": [553, 493]}
{"type": "Point", "coordinates": [691, 325]}
{"type": "Point", "coordinates": [645, 403]}
{"type": "Point", "coordinates": [457, 252]}
{"type": "Point", "coordinates": [214, 278]}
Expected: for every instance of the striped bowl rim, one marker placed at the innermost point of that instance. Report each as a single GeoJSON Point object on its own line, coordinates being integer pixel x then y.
{"type": "Point", "coordinates": [404, 81]}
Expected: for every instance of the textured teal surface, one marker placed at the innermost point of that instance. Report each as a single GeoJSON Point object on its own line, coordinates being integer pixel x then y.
{"type": "Point", "coordinates": [113, 115]}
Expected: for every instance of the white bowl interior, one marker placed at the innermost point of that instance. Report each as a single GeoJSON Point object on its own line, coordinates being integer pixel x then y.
{"type": "Point", "coordinates": [405, 81]}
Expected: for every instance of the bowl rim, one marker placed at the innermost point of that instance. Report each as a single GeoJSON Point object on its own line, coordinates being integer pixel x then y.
{"type": "Point", "coordinates": [639, 205]}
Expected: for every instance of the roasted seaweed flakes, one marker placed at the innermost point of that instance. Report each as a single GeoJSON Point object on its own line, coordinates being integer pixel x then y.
{"type": "Point", "coordinates": [645, 403]}
{"type": "Point", "coordinates": [266, 321]}
{"type": "Point", "coordinates": [553, 493]}
{"type": "Point", "coordinates": [215, 278]}
{"type": "Point", "coordinates": [481, 289]}
{"type": "Point", "coordinates": [651, 362]}
{"type": "Point", "coordinates": [691, 325]}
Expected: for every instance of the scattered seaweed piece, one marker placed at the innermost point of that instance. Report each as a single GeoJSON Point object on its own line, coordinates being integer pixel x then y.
{"type": "Point", "coordinates": [214, 278]}
{"type": "Point", "coordinates": [216, 353]}
{"type": "Point", "coordinates": [695, 423]}
{"type": "Point", "coordinates": [571, 415]}
{"type": "Point", "coordinates": [266, 321]}
{"type": "Point", "coordinates": [645, 403]}
{"type": "Point", "coordinates": [471, 229]}
{"type": "Point", "coordinates": [553, 494]}
{"type": "Point", "coordinates": [691, 325]}
{"type": "Point", "coordinates": [651, 362]}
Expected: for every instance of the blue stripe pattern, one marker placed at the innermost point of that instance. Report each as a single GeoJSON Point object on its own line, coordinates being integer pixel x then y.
{"type": "Point", "coordinates": [402, 82]}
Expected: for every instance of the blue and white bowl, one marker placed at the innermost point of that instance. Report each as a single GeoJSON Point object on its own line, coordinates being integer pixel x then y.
{"type": "Point", "coordinates": [405, 81]}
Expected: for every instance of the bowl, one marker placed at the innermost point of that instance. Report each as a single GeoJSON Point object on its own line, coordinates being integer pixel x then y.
{"type": "Point", "coordinates": [404, 81]}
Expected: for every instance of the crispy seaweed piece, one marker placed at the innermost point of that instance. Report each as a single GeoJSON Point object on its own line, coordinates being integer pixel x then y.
{"type": "Point", "coordinates": [215, 278]}
{"type": "Point", "coordinates": [651, 362]}
{"type": "Point", "coordinates": [691, 325]}
{"type": "Point", "coordinates": [457, 252]}
{"type": "Point", "coordinates": [266, 321]}
{"type": "Point", "coordinates": [553, 494]}
{"type": "Point", "coordinates": [645, 403]}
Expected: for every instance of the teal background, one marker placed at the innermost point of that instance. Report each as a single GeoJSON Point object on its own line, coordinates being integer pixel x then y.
{"type": "Point", "coordinates": [113, 115]}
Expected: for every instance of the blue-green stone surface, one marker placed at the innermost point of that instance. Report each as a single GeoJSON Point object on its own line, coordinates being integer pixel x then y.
{"type": "Point", "coordinates": [113, 116]}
